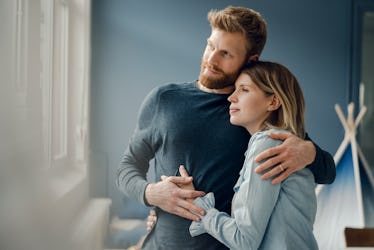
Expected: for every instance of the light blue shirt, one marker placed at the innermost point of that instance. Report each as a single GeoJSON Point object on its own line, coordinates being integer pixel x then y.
{"type": "Point", "coordinates": [264, 216]}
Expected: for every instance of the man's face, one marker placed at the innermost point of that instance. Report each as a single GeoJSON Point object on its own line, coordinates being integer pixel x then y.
{"type": "Point", "coordinates": [224, 55]}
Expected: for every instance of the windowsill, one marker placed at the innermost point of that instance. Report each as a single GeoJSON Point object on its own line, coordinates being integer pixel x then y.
{"type": "Point", "coordinates": [64, 180]}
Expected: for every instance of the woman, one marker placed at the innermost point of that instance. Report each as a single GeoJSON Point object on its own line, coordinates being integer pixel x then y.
{"type": "Point", "coordinates": [267, 97]}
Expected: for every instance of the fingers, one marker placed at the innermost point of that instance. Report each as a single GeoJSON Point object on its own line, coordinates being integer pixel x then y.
{"type": "Point", "coordinates": [183, 171]}
{"type": "Point", "coordinates": [186, 214]}
{"type": "Point", "coordinates": [190, 194]}
{"type": "Point", "coordinates": [271, 173]}
{"type": "Point", "coordinates": [269, 153]}
{"type": "Point", "coordinates": [273, 156]}
{"type": "Point", "coordinates": [187, 210]}
{"type": "Point", "coordinates": [179, 180]}
{"type": "Point", "coordinates": [280, 135]}
{"type": "Point", "coordinates": [280, 178]}
{"type": "Point", "coordinates": [275, 150]}
{"type": "Point", "coordinates": [284, 174]}
{"type": "Point", "coordinates": [151, 219]}
{"type": "Point", "coordinates": [174, 194]}
{"type": "Point", "coordinates": [190, 210]}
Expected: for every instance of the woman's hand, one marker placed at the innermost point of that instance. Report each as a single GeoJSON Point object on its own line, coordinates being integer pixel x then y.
{"type": "Point", "coordinates": [151, 219]}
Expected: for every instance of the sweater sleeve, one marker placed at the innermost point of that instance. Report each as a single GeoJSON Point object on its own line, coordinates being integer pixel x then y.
{"type": "Point", "coordinates": [132, 170]}
{"type": "Point", "coordinates": [323, 166]}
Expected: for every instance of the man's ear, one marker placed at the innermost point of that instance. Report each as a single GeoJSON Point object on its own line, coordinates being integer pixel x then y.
{"type": "Point", "coordinates": [275, 103]}
{"type": "Point", "coordinates": [253, 58]}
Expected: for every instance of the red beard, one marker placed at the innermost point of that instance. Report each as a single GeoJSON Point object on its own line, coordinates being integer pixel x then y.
{"type": "Point", "coordinates": [222, 81]}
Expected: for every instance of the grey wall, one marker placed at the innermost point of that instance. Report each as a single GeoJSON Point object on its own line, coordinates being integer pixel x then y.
{"type": "Point", "coordinates": [139, 44]}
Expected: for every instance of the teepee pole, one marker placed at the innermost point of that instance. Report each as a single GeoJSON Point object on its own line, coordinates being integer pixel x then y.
{"type": "Point", "coordinates": [360, 116]}
{"type": "Point", "coordinates": [350, 126]}
{"type": "Point", "coordinates": [342, 118]}
{"type": "Point", "coordinates": [339, 153]}
{"type": "Point", "coordinates": [365, 163]}
{"type": "Point", "coordinates": [356, 169]}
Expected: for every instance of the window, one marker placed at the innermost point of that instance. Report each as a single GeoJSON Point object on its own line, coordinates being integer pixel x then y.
{"type": "Point", "coordinates": [51, 78]}
{"type": "Point", "coordinates": [64, 81]}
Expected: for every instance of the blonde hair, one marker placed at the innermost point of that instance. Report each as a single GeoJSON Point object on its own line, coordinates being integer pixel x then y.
{"type": "Point", "coordinates": [243, 20]}
{"type": "Point", "coordinates": [274, 78]}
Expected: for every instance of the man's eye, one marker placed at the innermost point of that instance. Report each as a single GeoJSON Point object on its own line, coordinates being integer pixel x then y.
{"type": "Point", "coordinates": [225, 53]}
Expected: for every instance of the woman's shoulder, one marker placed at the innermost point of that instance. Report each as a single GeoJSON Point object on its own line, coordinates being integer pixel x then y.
{"type": "Point", "coordinates": [264, 135]}
{"type": "Point", "coordinates": [261, 140]}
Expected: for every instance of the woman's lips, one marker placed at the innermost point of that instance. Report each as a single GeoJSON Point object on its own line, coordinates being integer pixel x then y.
{"type": "Point", "coordinates": [233, 110]}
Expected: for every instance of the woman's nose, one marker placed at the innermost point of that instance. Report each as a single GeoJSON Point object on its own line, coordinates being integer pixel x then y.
{"type": "Point", "coordinates": [232, 98]}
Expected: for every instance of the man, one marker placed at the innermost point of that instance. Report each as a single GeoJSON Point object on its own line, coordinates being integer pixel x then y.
{"type": "Point", "coordinates": [189, 124]}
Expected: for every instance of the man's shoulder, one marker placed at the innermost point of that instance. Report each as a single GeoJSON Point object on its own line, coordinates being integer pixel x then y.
{"type": "Point", "coordinates": [171, 90]}
{"type": "Point", "coordinates": [173, 87]}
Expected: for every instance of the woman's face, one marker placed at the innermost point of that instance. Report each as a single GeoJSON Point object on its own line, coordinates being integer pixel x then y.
{"type": "Point", "coordinates": [250, 106]}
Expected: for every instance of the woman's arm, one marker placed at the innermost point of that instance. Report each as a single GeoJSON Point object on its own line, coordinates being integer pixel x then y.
{"type": "Point", "coordinates": [253, 205]}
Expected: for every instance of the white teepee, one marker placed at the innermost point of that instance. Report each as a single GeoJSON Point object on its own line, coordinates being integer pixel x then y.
{"type": "Point", "coordinates": [348, 201]}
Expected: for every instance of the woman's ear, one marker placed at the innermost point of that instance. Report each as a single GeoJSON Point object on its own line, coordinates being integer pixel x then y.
{"type": "Point", "coordinates": [275, 103]}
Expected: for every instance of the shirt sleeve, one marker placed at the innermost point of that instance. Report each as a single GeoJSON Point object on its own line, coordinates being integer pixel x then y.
{"type": "Point", "coordinates": [323, 166]}
{"type": "Point", "coordinates": [254, 204]}
{"type": "Point", "coordinates": [132, 170]}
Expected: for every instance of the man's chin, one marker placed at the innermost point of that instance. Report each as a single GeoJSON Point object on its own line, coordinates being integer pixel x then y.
{"type": "Point", "coordinates": [215, 84]}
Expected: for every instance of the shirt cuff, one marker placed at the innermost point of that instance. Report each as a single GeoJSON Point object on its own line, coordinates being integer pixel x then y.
{"type": "Point", "coordinates": [207, 203]}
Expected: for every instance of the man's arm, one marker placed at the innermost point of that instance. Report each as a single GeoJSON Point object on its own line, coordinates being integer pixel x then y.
{"type": "Point", "coordinates": [294, 154]}
{"type": "Point", "coordinates": [131, 174]}
{"type": "Point", "coordinates": [323, 166]}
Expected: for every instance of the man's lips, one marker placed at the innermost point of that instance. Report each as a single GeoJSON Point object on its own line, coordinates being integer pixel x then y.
{"type": "Point", "coordinates": [213, 69]}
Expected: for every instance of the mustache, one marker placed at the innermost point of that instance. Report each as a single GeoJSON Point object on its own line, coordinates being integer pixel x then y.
{"type": "Point", "coordinates": [212, 67]}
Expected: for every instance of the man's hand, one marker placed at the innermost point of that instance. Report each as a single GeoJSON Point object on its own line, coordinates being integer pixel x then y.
{"type": "Point", "coordinates": [189, 186]}
{"type": "Point", "coordinates": [167, 195]}
{"type": "Point", "coordinates": [292, 155]}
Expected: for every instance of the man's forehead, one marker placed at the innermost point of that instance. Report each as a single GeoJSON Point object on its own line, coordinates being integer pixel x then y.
{"type": "Point", "coordinates": [229, 40]}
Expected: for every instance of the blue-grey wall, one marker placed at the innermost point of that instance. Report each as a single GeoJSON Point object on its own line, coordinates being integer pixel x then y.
{"type": "Point", "coordinates": [139, 44]}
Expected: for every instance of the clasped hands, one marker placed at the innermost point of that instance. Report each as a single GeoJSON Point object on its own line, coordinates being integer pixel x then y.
{"type": "Point", "coordinates": [175, 194]}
